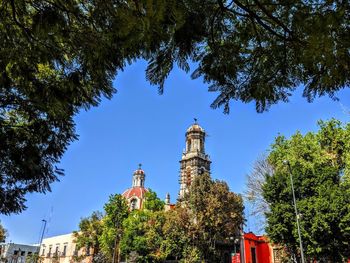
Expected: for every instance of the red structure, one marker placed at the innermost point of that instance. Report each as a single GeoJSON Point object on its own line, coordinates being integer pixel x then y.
{"type": "Point", "coordinates": [257, 249]}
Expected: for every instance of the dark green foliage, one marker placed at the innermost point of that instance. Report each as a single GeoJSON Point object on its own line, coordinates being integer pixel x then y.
{"type": "Point", "coordinates": [46, 77]}
{"type": "Point", "coordinates": [58, 57]}
{"type": "Point", "coordinates": [320, 167]}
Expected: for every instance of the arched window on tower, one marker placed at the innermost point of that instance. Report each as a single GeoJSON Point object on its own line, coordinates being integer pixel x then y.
{"type": "Point", "coordinates": [188, 177]}
{"type": "Point", "coordinates": [189, 145]}
{"type": "Point", "coordinates": [202, 145]}
{"type": "Point", "coordinates": [133, 204]}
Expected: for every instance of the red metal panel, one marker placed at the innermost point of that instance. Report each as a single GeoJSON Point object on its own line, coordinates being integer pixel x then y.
{"type": "Point", "coordinates": [264, 253]}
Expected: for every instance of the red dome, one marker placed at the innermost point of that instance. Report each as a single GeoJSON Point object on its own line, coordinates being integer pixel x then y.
{"type": "Point", "coordinates": [135, 191]}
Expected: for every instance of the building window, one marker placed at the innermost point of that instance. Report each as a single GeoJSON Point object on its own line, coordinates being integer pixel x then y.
{"type": "Point", "coordinates": [49, 254]}
{"type": "Point", "coordinates": [43, 252]}
{"type": "Point", "coordinates": [64, 251]}
{"type": "Point", "coordinates": [188, 177]}
{"type": "Point", "coordinates": [133, 204]}
{"type": "Point", "coordinates": [189, 145]}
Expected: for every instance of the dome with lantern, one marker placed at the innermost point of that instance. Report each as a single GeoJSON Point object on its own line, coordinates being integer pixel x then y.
{"type": "Point", "coordinates": [136, 194]}
{"type": "Point", "coordinates": [195, 127]}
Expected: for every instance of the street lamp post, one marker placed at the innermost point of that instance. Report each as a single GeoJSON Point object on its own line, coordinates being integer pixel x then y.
{"type": "Point", "coordinates": [286, 162]}
{"type": "Point", "coordinates": [41, 238]}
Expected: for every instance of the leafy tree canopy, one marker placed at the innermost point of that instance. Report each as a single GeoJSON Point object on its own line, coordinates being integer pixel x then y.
{"type": "Point", "coordinates": [90, 228]}
{"type": "Point", "coordinates": [58, 57]}
{"type": "Point", "coordinates": [142, 231]}
{"type": "Point", "coordinates": [116, 211]}
{"type": "Point", "coordinates": [217, 215]}
{"type": "Point", "coordinates": [152, 202]}
{"type": "Point", "coordinates": [143, 235]}
{"type": "Point", "coordinates": [209, 216]}
{"type": "Point", "coordinates": [319, 163]}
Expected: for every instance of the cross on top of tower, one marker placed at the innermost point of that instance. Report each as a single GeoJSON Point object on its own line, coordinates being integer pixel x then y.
{"type": "Point", "coordinates": [195, 120]}
{"type": "Point", "coordinates": [140, 165]}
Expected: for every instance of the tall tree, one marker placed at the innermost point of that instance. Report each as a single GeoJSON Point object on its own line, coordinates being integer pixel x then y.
{"type": "Point", "coordinates": [217, 215]}
{"type": "Point", "coordinates": [319, 164]}
{"type": "Point", "coordinates": [90, 229]}
{"type": "Point", "coordinates": [143, 235]}
{"type": "Point", "coordinates": [58, 57]}
{"type": "Point", "coordinates": [3, 233]}
{"type": "Point", "coordinates": [178, 240]}
{"type": "Point", "coordinates": [142, 231]}
{"type": "Point", "coordinates": [116, 211]}
{"type": "Point", "coordinates": [254, 190]}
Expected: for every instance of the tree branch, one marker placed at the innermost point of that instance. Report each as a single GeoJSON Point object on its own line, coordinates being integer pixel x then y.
{"type": "Point", "coordinates": [277, 21]}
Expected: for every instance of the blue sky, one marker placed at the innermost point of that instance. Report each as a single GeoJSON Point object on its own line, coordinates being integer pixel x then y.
{"type": "Point", "coordinates": [140, 126]}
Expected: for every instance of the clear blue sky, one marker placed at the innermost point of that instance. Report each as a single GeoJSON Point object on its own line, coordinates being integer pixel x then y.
{"type": "Point", "coordinates": [140, 126]}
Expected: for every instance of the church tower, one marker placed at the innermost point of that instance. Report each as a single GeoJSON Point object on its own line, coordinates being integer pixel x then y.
{"type": "Point", "coordinates": [194, 161]}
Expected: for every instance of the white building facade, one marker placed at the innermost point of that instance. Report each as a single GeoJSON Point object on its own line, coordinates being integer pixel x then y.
{"type": "Point", "coordinates": [62, 249]}
{"type": "Point", "coordinates": [16, 253]}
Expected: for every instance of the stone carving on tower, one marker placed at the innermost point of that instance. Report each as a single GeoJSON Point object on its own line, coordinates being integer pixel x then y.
{"type": "Point", "coordinates": [194, 161]}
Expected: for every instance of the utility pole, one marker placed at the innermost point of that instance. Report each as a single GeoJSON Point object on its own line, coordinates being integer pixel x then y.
{"type": "Point", "coordinates": [286, 162]}
{"type": "Point", "coordinates": [41, 237]}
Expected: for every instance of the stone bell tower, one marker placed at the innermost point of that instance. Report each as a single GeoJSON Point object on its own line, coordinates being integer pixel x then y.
{"type": "Point", "coordinates": [194, 161]}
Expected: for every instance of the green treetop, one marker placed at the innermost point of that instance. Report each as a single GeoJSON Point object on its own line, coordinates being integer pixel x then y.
{"type": "Point", "coordinates": [320, 166]}
{"type": "Point", "coordinates": [152, 202]}
{"type": "Point", "coordinates": [116, 211]}
{"type": "Point", "coordinates": [90, 229]}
